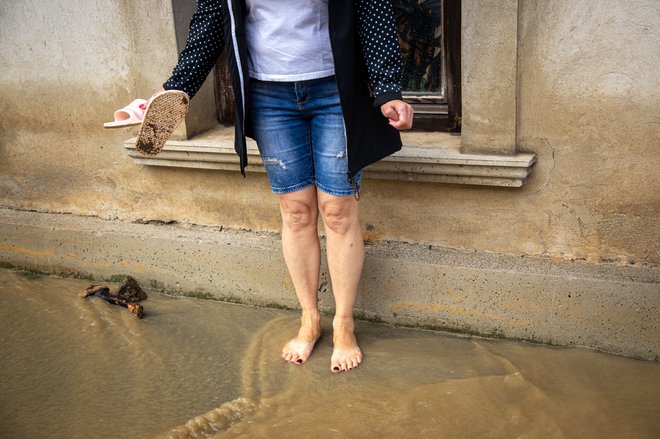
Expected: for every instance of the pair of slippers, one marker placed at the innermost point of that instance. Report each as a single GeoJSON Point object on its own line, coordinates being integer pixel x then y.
{"type": "Point", "coordinates": [158, 117]}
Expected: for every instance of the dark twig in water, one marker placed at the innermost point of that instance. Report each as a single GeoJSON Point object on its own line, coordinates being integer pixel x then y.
{"type": "Point", "coordinates": [128, 293]}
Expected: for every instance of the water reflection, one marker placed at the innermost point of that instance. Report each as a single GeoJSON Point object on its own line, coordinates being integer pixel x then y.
{"type": "Point", "coordinates": [193, 368]}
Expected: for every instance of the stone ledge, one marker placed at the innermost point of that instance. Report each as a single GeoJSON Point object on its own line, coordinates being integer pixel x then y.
{"type": "Point", "coordinates": [428, 157]}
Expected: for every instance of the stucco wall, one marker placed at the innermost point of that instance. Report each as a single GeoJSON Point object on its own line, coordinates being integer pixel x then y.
{"type": "Point", "coordinates": [589, 94]}
{"type": "Point", "coordinates": [587, 100]}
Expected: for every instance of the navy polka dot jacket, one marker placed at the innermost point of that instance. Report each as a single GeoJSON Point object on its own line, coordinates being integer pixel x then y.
{"type": "Point", "coordinates": [367, 68]}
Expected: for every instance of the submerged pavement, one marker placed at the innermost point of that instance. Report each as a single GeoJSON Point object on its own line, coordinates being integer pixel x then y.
{"type": "Point", "coordinates": [75, 367]}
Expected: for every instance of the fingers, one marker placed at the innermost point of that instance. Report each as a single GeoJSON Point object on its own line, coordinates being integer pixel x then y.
{"type": "Point", "coordinates": [399, 113]}
{"type": "Point", "coordinates": [390, 113]}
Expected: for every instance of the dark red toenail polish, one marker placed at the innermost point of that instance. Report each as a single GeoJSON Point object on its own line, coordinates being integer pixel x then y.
{"type": "Point", "coordinates": [299, 361]}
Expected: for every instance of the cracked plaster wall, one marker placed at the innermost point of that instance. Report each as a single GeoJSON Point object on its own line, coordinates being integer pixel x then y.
{"type": "Point", "coordinates": [587, 100]}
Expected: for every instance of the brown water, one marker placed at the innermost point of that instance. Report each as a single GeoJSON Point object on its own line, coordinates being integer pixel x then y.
{"type": "Point", "coordinates": [72, 367]}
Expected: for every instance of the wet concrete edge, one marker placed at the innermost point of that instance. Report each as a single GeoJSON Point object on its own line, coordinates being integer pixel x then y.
{"type": "Point", "coordinates": [607, 307]}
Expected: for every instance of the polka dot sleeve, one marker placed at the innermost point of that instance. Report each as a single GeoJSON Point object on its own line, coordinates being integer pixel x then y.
{"type": "Point", "coordinates": [203, 46]}
{"type": "Point", "coordinates": [380, 48]}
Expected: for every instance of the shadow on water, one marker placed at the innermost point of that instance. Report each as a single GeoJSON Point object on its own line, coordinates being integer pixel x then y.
{"type": "Point", "coordinates": [82, 368]}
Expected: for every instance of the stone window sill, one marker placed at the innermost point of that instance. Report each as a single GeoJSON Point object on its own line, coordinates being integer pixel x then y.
{"type": "Point", "coordinates": [427, 157]}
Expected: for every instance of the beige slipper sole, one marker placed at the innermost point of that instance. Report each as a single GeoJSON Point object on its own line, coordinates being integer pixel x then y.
{"type": "Point", "coordinates": [164, 113]}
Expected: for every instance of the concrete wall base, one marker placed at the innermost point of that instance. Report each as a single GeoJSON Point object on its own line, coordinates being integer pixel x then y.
{"type": "Point", "coordinates": [606, 307]}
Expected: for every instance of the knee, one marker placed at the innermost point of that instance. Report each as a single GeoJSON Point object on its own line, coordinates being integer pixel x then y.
{"type": "Point", "coordinates": [339, 217]}
{"type": "Point", "coordinates": [298, 216]}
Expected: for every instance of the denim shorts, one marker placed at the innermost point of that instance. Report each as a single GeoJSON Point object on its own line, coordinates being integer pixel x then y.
{"type": "Point", "coordinates": [299, 128]}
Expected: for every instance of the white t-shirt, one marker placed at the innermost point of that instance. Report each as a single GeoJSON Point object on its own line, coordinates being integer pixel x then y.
{"type": "Point", "coordinates": [288, 40]}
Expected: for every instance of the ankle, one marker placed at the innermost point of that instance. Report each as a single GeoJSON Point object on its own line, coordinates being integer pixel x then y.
{"type": "Point", "coordinates": [343, 323]}
{"type": "Point", "coordinates": [311, 316]}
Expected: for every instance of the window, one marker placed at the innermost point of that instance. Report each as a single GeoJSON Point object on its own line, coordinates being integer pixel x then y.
{"type": "Point", "coordinates": [429, 35]}
{"type": "Point", "coordinates": [224, 95]}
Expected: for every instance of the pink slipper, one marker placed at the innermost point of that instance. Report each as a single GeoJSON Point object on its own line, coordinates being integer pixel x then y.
{"type": "Point", "coordinates": [130, 115]}
{"type": "Point", "coordinates": [165, 111]}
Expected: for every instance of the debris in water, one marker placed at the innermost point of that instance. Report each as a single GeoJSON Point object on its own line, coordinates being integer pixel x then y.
{"type": "Point", "coordinates": [131, 291]}
{"type": "Point", "coordinates": [128, 294]}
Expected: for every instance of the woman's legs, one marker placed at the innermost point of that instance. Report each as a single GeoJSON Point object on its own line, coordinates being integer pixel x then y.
{"type": "Point", "coordinates": [300, 245]}
{"type": "Point", "coordinates": [299, 128]}
{"type": "Point", "coordinates": [345, 249]}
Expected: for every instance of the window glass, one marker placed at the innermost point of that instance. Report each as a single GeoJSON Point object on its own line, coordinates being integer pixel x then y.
{"type": "Point", "coordinates": [419, 26]}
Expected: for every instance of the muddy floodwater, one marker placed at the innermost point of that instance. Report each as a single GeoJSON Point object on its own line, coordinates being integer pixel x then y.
{"type": "Point", "coordinates": [82, 368]}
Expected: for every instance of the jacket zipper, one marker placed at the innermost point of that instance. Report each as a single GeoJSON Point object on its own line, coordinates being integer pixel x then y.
{"type": "Point", "coordinates": [353, 182]}
{"type": "Point", "coordinates": [351, 178]}
{"type": "Point", "coordinates": [239, 61]}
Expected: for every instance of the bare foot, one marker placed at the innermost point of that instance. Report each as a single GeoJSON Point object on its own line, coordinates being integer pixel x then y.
{"type": "Point", "coordinates": [298, 349]}
{"type": "Point", "coordinates": [346, 354]}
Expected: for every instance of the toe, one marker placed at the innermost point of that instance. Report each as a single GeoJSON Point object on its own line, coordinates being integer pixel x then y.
{"type": "Point", "coordinates": [297, 350]}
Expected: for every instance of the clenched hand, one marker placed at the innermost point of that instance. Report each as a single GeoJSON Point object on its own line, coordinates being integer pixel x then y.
{"type": "Point", "coordinates": [399, 113]}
